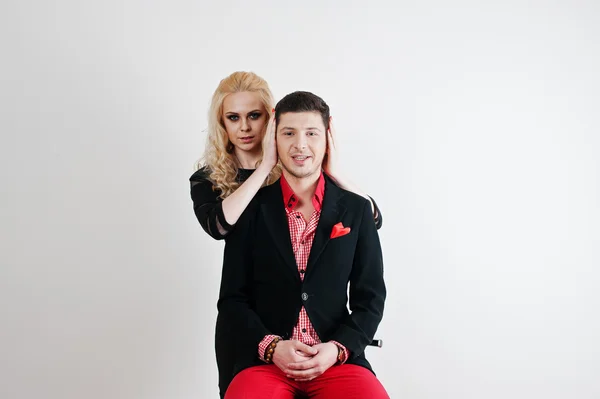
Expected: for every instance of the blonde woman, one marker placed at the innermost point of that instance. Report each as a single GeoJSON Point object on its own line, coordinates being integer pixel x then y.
{"type": "Point", "coordinates": [240, 157]}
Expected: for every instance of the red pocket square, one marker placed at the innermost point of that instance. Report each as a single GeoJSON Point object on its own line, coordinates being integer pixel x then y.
{"type": "Point", "coordinates": [339, 230]}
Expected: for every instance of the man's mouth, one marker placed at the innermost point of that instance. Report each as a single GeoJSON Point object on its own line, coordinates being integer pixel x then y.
{"type": "Point", "coordinates": [300, 159]}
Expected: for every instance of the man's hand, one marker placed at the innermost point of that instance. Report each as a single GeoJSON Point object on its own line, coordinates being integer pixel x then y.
{"type": "Point", "coordinates": [292, 351]}
{"type": "Point", "coordinates": [312, 368]}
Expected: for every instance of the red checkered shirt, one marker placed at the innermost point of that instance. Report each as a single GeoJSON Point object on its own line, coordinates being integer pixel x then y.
{"type": "Point", "coordinates": [302, 235]}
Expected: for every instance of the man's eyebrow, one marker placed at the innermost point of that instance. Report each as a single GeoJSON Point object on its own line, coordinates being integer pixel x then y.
{"type": "Point", "coordinates": [308, 128]}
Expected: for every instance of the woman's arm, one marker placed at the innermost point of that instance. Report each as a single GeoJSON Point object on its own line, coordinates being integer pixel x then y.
{"type": "Point", "coordinates": [208, 205]}
{"type": "Point", "coordinates": [332, 171]}
{"type": "Point", "coordinates": [349, 186]}
{"type": "Point", "coordinates": [235, 204]}
{"type": "Point", "coordinates": [218, 217]}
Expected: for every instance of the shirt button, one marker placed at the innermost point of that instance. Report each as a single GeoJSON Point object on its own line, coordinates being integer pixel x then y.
{"type": "Point", "coordinates": [304, 330]}
{"type": "Point", "coordinates": [302, 271]}
{"type": "Point", "coordinates": [304, 296]}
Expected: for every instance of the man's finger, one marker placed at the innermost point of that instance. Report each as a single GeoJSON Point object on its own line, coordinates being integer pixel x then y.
{"type": "Point", "coordinates": [305, 379]}
{"type": "Point", "coordinates": [304, 353]}
{"type": "Point", "coordinates": [305, 374]}
{"type": "Point", "coordinates": [305, 365]}
{"type": "Point", "coordinates": [299, 358]}
{"type": "Point", "coordinates": [305, 348]}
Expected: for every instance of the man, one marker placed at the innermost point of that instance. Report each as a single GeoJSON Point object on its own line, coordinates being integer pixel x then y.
{"type": "Point", "coordinates": [287, 266]}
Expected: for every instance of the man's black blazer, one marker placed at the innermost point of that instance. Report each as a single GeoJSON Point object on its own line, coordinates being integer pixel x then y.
{"type": "Point", "coordinates": [261, 291]}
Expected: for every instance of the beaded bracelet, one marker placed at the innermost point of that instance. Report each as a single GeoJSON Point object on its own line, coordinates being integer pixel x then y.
{"type": "Point", "coordinates": [271, 349]}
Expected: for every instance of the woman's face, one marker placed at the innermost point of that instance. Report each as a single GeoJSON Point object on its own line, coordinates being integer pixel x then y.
{"type": "Point", "coordinates": [245, 119]}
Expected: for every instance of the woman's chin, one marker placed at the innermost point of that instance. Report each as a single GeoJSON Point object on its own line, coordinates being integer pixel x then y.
{"type": "Point", "coordinates": [253, 148]}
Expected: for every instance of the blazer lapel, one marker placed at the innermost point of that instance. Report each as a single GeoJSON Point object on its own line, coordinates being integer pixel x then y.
{"type": "Point", "coordinates": [331, 213]}
{"type": "Point", "coordinates": [277, 223]}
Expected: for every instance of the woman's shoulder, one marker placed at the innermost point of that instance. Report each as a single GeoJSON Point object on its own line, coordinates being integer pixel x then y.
{"type": "Point", "coordinates": [202, 188]}
{"type": "Point", "coordinates": [202, 174]}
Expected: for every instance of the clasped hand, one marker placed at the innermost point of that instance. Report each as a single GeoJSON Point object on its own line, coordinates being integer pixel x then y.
{"type": "Point", "coordinates": [302, 362]}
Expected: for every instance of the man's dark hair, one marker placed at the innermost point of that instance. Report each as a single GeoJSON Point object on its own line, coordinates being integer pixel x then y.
{"type": "Point", "coordinates": [303, 101]}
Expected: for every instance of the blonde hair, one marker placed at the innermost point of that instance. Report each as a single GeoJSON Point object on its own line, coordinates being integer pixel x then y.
{"type": "Point", "coordinates": [218, 153]}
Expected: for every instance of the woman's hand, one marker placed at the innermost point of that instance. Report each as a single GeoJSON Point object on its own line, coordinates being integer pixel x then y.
{"type": "Point", "coordinates": [270, 145]}
{"type": "Point", "coordinates": [331, 166]}
{"type": "Point", "coordinates": [331, 161]}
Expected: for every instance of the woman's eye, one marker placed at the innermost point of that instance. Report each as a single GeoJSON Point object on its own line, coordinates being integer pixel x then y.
{"type": "Point", "coordinates": [233, 117]}
{"type": "Point", "coordinates": [255, 115]}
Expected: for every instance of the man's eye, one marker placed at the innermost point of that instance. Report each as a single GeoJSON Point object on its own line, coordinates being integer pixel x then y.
{"type": "Point", "coordinates": [233, 117]}
{"type": "Point", "coordinates": [312, 133]}
{"type": "Point", "coordinates": [288, 133]}
{"type": "Point", "coordinates": [255, 115]}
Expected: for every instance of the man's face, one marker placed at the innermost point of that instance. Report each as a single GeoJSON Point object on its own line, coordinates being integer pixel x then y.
{"type": "Point", "coordinates": [301, 143]}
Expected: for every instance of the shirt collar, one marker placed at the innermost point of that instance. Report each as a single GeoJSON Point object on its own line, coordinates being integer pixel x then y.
{"type": "Point", "coordinates": [290, 199]}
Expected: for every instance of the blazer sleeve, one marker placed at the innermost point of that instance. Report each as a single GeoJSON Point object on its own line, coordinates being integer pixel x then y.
{"type": "Point", "coordinates": [367, 290]}
{"type": "Point", "coordinates": [208, 207]}
{"type": "Point", "coordinates": [377, 216]}
{"type": "Point", "coordinates": [234, 302]}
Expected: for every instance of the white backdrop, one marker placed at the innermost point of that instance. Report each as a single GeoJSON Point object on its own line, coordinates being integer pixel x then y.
{"type": "Point", "coordinates": [474, 125]}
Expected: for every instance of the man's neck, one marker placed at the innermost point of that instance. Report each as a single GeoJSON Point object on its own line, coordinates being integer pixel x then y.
{"type": "Point", "coordinates": [303, 187]}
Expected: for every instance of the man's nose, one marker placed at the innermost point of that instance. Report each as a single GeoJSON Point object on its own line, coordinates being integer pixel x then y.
{"type": "Point", "coordinates": [301, 141]}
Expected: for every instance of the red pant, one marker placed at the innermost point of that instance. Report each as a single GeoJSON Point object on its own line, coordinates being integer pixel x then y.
{"type": "Point", "coordinates": [347, 381]}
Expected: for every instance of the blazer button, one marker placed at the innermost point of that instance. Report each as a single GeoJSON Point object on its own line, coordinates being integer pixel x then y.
{"type": "Point", "coordinates": [304, 296]}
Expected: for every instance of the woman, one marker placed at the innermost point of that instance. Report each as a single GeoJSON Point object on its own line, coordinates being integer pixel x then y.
{"type": "Point", "coordinates": [240, 157]}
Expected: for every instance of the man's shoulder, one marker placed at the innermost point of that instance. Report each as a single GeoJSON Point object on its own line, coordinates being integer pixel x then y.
{"type": "Point", "coordinates": [348, 198]}
{"type": "Point", "coordinates": [354, 199]}
{"type": "Point", "coordinates": [267, 192]}
{"type": "Point", "coordinates": [263, 196]}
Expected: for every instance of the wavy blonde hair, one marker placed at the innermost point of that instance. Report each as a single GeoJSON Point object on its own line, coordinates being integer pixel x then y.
{"type": "Point", "coordinates": [218, 152]}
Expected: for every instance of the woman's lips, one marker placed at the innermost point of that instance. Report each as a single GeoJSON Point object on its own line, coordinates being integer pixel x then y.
{"type": "Point", "coordinates": [246, 139]}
